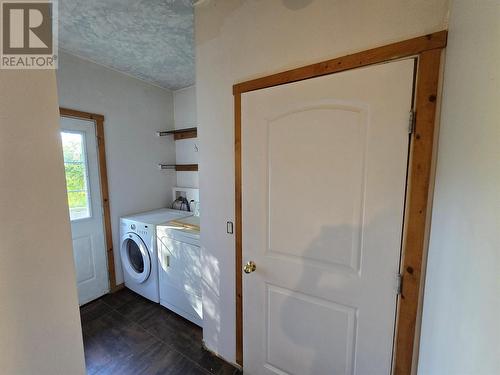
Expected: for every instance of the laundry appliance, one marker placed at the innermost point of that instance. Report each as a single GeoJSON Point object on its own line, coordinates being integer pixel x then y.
{"type": "Point", "coordinates": [180, 267]}
{"type": "Point", "coordinates": [138, 250]}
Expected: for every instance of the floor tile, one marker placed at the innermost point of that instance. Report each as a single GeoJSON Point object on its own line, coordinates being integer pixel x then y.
{"type": "Point", "coordinates": [157, 359]}
{"type": "Point", "coordinates": [227, 369]}
{"type": "Point", "coordinates": [112, 337]}
{"type": "Point", "coordinates": [125, 333]}
{"type": "Point", "coordinates": [120, 298]}
{"type": "Point", "coordinates": [137, 309]}
{"type": "Point", "coordinates": [183, 335]}
{"type": "Point", "coordinates": [93, 310]}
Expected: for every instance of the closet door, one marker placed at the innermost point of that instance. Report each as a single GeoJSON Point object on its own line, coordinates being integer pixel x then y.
{"type": "Point", "coordinates": [324, 165]}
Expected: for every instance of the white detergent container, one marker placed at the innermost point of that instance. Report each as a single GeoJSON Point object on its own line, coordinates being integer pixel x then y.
{"type": "Point", "coordinates": [179, 269]}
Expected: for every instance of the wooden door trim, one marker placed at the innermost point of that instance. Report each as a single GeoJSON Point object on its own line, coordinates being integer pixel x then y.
{"type": "Point", "coordinates": [427, 49]}
{"type": "Point", "coordinates": [103, 173]}
{"type": "Point", "coordinates": [410, 47]}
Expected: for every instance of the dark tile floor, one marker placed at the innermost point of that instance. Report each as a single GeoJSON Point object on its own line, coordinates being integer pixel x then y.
{"type": "Point", "coordinates": [124, 333]}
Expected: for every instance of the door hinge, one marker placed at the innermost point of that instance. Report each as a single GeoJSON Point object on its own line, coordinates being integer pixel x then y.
{"type": "Point", "coordinates": [399, 283]}
{"type": "Point", "coordinates": [411, 122]}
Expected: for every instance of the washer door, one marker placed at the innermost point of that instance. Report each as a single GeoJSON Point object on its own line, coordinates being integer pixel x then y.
{"type": "Point", "coordinates": [135, 257]}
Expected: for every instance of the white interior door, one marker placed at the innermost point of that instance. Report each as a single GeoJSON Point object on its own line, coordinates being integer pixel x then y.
{"type": "Point", "coordinates": [323, 181]}
{"type": "Point", "coordinates": [85, 207]}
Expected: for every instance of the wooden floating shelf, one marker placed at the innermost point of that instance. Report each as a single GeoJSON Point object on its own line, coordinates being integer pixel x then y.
{"type": "Point", "coordinates": [180, 133]}
{"type": "Point", "coordinates": [186, 167]}
{"type": "Point", "coordinates": [180, 167]}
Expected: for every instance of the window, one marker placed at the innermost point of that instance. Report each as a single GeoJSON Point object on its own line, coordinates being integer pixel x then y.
{"type": "Point", "coordinates": [76, 169]}
{"type": "Point", "coordinates": [135, 256]}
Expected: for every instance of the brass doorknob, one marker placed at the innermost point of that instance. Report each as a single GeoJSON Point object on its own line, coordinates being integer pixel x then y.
{"type": "Point", "coordinates": [249, 267]}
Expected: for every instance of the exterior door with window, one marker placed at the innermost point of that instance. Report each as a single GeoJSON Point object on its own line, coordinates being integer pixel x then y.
{"type": "Point", "coordinates": [85, 207]}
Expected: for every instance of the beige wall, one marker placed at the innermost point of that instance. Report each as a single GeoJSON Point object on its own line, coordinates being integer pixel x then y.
{"type": "Point", "coordinates": [39, 319]}
{"type": "Point", "coordinates": [133, 110]}
{"type": "Point", "coordinates": [460, 327]}
{"type": "Point", "coordinates": [239, 40]}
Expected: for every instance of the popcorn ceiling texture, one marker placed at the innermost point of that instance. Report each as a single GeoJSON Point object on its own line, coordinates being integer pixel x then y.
{"type": "Point", "coordinates": [149, 39]}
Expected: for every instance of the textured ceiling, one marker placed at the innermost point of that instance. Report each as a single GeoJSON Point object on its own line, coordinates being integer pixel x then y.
{"type": "Point", "coordinates": [149, 39]}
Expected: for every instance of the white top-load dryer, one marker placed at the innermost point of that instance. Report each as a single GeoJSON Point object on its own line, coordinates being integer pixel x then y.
{"type": "Point", "coordinates": [138, 250]}
{"type": "Point", "coordinates": [179, 267]}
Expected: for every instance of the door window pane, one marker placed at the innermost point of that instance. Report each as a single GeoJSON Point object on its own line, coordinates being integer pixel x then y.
{"type": "Point", "coordinates": [76, 169]}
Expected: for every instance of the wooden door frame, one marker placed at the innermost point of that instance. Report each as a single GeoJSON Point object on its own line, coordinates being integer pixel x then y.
{"type": "Point", "coordinates": [427, 49]}
{"type": "Point", "coordinates": [103, 174]}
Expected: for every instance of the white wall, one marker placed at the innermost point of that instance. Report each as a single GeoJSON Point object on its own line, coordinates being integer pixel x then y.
{"type": "Point", "coordinates": [237, 40]}
{"type": "Point", "coordinates": [461, 327]}
{"type": "Point", "coordinates": [185, 108]}
{"type": "Point", "coordinates": [39, 318]}
{"type": "Point", "coordinates": [185, 149]}
{"type": "Point", "coordinates": [134, 111]}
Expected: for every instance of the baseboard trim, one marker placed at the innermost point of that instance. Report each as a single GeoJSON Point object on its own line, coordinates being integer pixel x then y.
{"type": "Point", "coordinates": [235, 365]}
{"type": "Point", "coordinates": [117, 288]}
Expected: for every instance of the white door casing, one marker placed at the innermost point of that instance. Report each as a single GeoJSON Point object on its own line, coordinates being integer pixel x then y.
{"type": "Point", "coordinates": [324, 165]}
{"type": "Point", "coordinates": [89, 249]}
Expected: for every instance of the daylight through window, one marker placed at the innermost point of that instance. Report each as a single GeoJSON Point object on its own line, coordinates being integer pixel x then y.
{"type": "Point", "coordinates": [76, 169]}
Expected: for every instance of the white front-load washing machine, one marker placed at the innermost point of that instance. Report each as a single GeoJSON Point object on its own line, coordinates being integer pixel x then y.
{"type": "Point", "coordinates": [138, 250]}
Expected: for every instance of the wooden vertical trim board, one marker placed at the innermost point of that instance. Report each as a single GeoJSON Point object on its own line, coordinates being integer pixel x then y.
{"type": "Point", "coordinates": [238, 229]}
{"type": "Point", "coordinates": [428, 49]}
{"type": "Point", "coordinates": [416, 210]}
{"type": "Point", "coordinates": [103, 173]}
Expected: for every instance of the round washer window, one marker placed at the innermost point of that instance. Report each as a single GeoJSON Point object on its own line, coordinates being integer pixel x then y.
{"type": "Point", "coordinates": [136, 259]}
{"type": "Point", "coordinates": [135, 256]}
